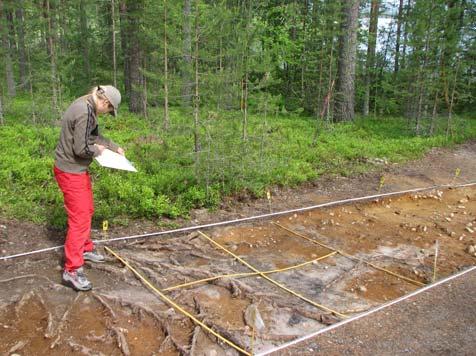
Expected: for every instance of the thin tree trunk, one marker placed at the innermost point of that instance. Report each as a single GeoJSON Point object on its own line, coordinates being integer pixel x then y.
{"type": "Point", "coordinates": [7, 60]}
{"type": "Point", "coordinates": [166, 72]}
{"type": "Point", "coordinates": [245, 107]}
{"type": "Point", "coordinates": [144, 87]}
{"type": "Point", "coordinates": [246, 77]}
{"type": "Point", "coordinates": [421, 74]}
{"type": "Point", "coordinates": [114, 64]}
{"type": "Point", "coordinates": [20, 29]}
{"type": "Point", "coordinates": [84, 40]}
{"type": "Point", "coordinates": [372, 42]}
{"type": "Point", "coordinates": [304, 55]}
{"type": "Point", "coordinates": [196, 101]}
{"type": "Point", "coordinates": [344, 106]}
{"type": "Point", "coordinates": [136, 100]}
{"type": "Point", "coordinates": [123, 16]}
{"type": "Point", "coordinates": [405, 36]}
{"type": "Point", "coordinates": [450, 108]}
{"type": "Point", "coordinates": [187, 55]}
{"type": "Point", "coordinates": [379, 70]}
{"type": "Point", "coordinates": [330, 84]}
{"type": "Point", "coordinates": [220, 69]}
{"type": "Point", "coordinates": [397, 39]}
{"type": "Point", "coordinates": [433, 115]}
{"type": "Point", "coordinates": [52, 53]}
{"type": "Point", "coordinates": [30, 85]}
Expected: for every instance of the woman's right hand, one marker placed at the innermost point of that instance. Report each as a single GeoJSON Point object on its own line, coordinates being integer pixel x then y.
{"type": "Point", "coordinates": [100, 148]}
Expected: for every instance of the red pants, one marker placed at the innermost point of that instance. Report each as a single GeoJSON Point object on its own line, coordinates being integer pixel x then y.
{"type": "Point", "coordinates": [79, 205]}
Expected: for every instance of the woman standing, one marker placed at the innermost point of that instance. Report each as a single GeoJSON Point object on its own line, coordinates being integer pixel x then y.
{"type": "Point", "coordinates": [79, 143]}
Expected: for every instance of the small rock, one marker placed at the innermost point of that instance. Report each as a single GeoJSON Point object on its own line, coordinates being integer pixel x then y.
{"type": "Point", "coordinates": [471, 231]}
{"type": "Point", "coordinates": [471, 249]}
{"type": "Point", "coordinates": [362, 289]}
{"type": "Point", "coordinates": [463, 201]}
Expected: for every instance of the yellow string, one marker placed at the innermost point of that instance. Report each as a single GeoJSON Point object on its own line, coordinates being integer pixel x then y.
{"type": "Point", "coordinates": [350, 256]}
{"type": "Point", "coordinates": [272, 280]}
{"type": "Point", "coordinates": [247, 274]}
{"type": "Point", "coordinates": [175, 305]}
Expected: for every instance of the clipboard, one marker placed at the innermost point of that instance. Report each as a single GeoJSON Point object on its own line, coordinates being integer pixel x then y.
{"type": "Point", "coordinates": [114, 160]}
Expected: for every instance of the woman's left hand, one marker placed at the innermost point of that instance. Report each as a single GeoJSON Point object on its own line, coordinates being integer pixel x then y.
{"type": "Point", "coordinates": [121, 151]}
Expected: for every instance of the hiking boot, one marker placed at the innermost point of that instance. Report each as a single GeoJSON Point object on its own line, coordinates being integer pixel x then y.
{"type": "Point", "coordinates": [93, 256]}
{"type": "Point", "coordinates": [77, 280]}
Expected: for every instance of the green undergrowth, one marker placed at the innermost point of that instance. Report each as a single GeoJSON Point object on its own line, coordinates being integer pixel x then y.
{"type": "Point", "coordinates": [172, 179]}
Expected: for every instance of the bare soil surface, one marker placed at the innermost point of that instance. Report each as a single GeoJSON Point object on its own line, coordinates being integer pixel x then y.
{"type": "Point", "coordinates": [337, 261]}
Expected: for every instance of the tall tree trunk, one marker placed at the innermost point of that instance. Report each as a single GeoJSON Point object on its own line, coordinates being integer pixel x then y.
{"type": "Point", "coordinates": [450, 108]}
{"type": "Point", "coordinates": [113, 24]}
{"type": "Point", "coordinates": [345, 96]}
{"type": "Point", "coordinates": [186, 69]}
{"type": "Point", "coordinates": [20, 29]}
{"type": "Point", "coordinates": [246, 54]}
{"type": "Point", "coordinates": [405, 34]}
{"type": "Point", "coordinates": [166, 72]}
{"type": "Point", "coordinates": [370, 62]}
{"type": "Point", "coordinates": [196, 101]}
{"type": "Point", "coordinates": [136, 100]}
{"type": "Point", "coordinates": [397, 39]}
{"type": "Point", "coordinates": [123, 16]}
{"type": "Point", "coordinates": [30, 87]}
{"type": "Point", "coordinates": [6, 49]}
{"type": "Point", "coordinates": [84, 40]}
{"type": "Point", "coordinates": [304, 56]}
{"type": "Point", "coordinates": [52, 54]}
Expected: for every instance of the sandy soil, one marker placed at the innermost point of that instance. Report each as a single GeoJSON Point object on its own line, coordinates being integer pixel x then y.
{"type": "Point", "coordinates": [121, 316]}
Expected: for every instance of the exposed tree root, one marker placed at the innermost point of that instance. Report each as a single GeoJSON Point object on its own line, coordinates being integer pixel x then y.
{"type": "Point", "coordinates": [121, 340]}
{"type": "Point", "coordinates": [23, 300]}
{"type": "Point", "coordinates": [196, 333]}
{"type": "Point", "coordinates": [105, 305]}
{"type": "Point", "coordinates": [61, 325]}
{"type": "Point", "coordinates": [122, 273]}
{"type": "Point", "coordinates": [101, 338]}
{"type": "Point", "coordinates": [83, 349]}
{"type": "Point", "coordinates": [17, 347]}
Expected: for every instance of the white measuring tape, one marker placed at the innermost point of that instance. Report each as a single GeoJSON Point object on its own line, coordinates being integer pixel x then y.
{"type": "Point", "coordinates": [367, 313]}
{"type": "Point", "coordinates": [250, 218]}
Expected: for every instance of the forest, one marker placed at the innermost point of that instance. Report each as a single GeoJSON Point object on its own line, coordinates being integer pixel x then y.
{"type": "Point", "coordinates": [224, 97]}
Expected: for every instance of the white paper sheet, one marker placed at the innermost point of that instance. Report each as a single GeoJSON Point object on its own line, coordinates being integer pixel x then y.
{"type": "Point", "coordinates": [114, 160]}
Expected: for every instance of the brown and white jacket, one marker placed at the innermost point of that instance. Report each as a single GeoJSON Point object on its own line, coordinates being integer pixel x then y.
{"type": "Point", "coordinates": [79, 134]}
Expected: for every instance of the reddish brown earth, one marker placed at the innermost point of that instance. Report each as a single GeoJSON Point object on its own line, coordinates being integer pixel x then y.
{"type": "Point", "coordinates": [122, 316]}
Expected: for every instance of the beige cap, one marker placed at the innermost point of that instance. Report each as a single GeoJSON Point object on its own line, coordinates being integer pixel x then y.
{"type": "Point", "coordinates": [113, 95]}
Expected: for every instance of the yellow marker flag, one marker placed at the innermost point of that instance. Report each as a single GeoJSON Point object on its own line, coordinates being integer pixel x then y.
{"type": "Point", "coordinates": [105, 225]}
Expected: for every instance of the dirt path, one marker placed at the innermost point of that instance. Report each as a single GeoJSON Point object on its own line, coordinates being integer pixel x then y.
{"type": "Point", "coordinates": [440, 321]}
{"type": "Point", "coordinates": [330, 256]}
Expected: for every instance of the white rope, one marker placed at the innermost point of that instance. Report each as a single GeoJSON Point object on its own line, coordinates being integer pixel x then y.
{"type": "Point", "coordinates": [250, 218]}
{"type": "Point", "coordinates": [357, 317]}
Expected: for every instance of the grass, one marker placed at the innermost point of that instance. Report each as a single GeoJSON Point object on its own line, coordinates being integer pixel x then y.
{"type": "Point", "coordinates": [172, 179]}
